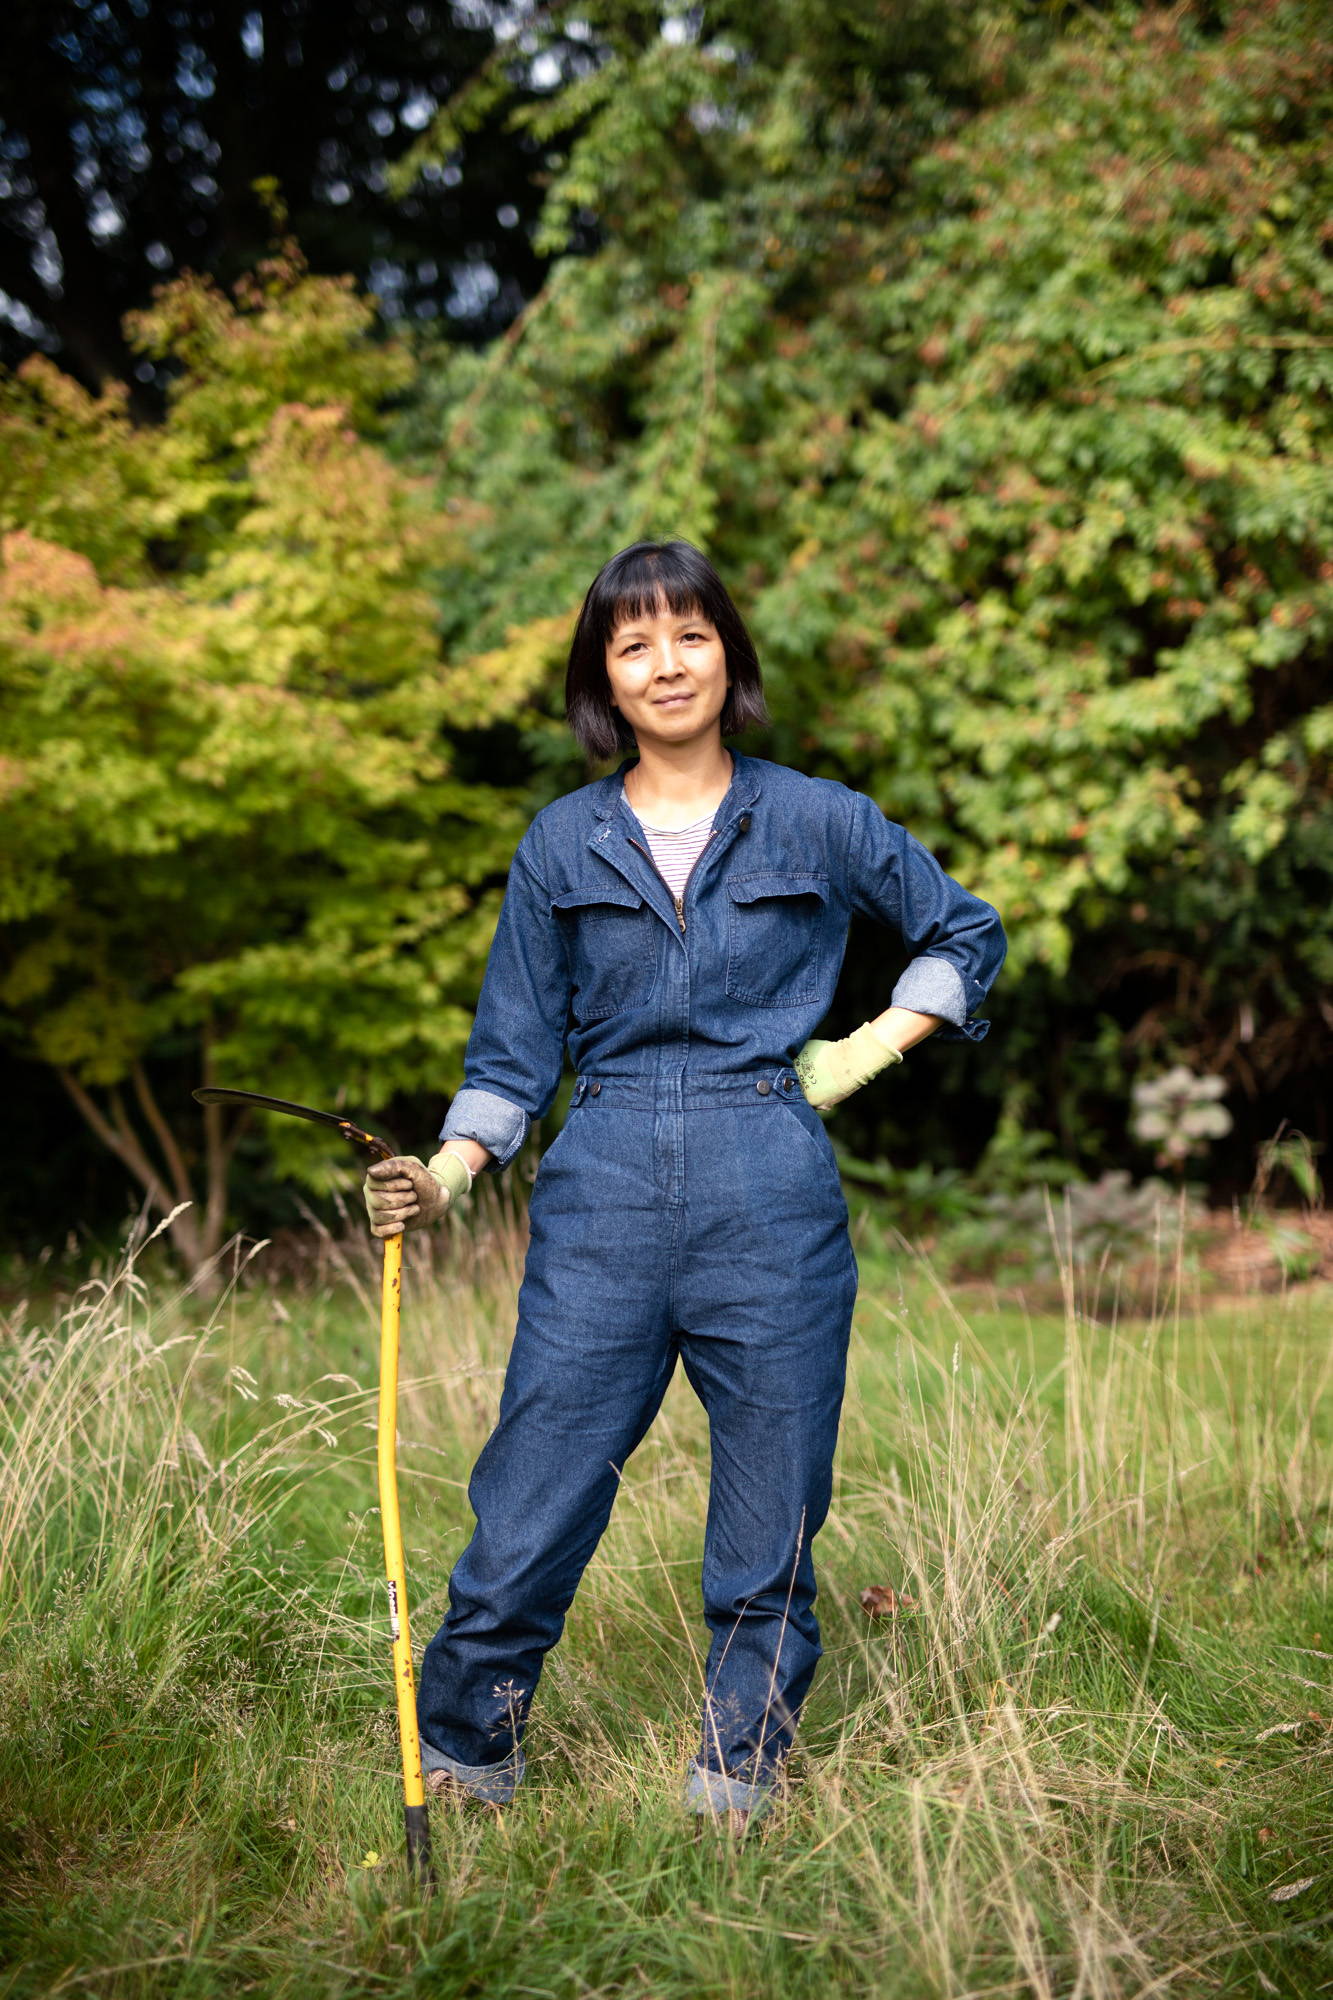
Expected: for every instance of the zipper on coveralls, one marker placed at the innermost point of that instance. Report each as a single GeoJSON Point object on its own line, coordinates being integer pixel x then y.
{"type": "Point", "coordinates": [679, 900]}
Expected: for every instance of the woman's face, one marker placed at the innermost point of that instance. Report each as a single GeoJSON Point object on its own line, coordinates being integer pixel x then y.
{"type": "Point", "coordinates": [668, 675]}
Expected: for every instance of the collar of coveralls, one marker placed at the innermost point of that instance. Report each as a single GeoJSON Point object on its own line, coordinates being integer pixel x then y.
{"type": "Point", "coordinates": [743, 791]}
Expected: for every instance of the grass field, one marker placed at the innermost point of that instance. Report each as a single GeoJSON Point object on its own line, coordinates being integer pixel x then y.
{"type": "Point", "coordinates": [1091, 1757]}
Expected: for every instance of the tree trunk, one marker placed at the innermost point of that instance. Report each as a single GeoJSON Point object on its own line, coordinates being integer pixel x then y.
{"type": "Point", "coordinates": [195, 1228]}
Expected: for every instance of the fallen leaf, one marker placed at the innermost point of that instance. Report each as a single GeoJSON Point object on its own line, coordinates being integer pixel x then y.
{"type": "Point", "coordinates": [880, 1600]}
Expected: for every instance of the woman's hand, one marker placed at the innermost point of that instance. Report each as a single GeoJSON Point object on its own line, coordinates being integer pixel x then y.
{"type": "Point", "coordinates": [403, 1193]}
{"type": "Point", "coordinates": [830, 1071]}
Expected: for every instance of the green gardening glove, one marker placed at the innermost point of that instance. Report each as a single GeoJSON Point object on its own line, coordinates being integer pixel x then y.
{"type": "Point", "coordinates": [403, 1194]}
{"type": "Point", "coordinates": [830, 1071]}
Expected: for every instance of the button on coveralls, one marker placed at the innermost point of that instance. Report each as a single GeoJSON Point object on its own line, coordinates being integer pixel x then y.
{"type": "Point", "coordinates": [689, 1206]}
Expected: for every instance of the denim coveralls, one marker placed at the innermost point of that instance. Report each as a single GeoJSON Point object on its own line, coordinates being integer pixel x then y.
{"type": "Point", "coordinates": [690, 1205]}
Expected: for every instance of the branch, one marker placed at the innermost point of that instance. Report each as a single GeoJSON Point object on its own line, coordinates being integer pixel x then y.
{"type": "Point", "coordinates": [171, 1152]}
{"type": "Point", "coordinates": [118, 1139]}
{"type": "Point", "coordinates": [132, 1150]}
{"type": "Point", "coordinates": [219, 1145]}
{"type": "Point", "coordinates": [460, 428]}
{"type": "Point", "coordinates": [17, 276]}
{"type": "Point", "coordinates": [1275, 343]}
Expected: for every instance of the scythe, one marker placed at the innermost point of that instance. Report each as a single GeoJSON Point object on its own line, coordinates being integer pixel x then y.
{"type": "Point", "coordinates": [415, 1818]}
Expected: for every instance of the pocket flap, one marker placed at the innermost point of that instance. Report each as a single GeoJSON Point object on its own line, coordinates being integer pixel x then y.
{"type": "Point", "coordinates": [618, 894]}
{"type": "Point", "coordinates": [758, 888]}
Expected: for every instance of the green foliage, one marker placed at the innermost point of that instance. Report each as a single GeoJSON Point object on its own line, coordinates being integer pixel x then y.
{"type": "Point", "coordinates": [988, 348]}
{"type": "Point", "coordinates": [999, 386]}
{"type": "Point", "coordinates": [1288, 1162]}
{"type": "Point", "coordinates": [1293, 1157]}
{"type": "Point", "coordinates": [664, 383]}
{"type": "Point", "coordinates": [1091, 551]}
{"type": "Point", "coordinates": [233, 834]}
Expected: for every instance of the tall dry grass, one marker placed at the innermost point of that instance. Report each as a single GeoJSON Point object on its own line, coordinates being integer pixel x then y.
{"type": "Point", "coordinates": [1084, 1750]}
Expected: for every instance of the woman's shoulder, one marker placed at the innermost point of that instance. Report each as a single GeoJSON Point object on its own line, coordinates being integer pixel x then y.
{"type": "Point", "coordinates": [569, 821]}
{"type": "Point", "coordinates": [796, 791]}
{"type": "Point", "coordinates": [586, 806]}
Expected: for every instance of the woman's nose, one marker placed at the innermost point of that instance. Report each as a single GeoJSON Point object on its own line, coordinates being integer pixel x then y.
{"type": "Point", "coordinates": [668, 663]}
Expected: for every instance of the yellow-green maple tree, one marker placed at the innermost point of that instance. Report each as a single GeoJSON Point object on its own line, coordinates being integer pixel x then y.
{"type": "Point", "coordinates": [236, 848]}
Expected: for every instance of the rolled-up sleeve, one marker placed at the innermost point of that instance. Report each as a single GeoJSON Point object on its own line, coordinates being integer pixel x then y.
{"type": "Point", "coordinates": [956, 940]}
{"type": "Point", "coordinates": [516, 1049]}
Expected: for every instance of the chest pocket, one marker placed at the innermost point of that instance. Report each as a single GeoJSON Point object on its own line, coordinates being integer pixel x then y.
{"type": "Point", "coordinates": [776, 928]}
{"type": "Point", "coordinates": [611, 936]}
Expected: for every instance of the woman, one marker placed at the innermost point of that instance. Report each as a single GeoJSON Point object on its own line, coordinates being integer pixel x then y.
{"type": "Point", "coordinates": [680, 926]}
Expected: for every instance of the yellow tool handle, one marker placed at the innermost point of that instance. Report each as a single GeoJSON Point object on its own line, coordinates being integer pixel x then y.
{"type": "Point", "coordinates": [414, 1796]}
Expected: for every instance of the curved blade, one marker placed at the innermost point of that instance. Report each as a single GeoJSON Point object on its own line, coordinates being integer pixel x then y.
{"type": "Point", "coordinates": [380, 1148]}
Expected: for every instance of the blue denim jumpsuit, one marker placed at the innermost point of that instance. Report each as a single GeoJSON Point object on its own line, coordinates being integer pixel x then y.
{"type": "Point", "coordinates": [689, 1206]}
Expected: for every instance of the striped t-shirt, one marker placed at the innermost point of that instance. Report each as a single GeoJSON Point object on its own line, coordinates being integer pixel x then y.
{"type": "Point", "coordinates": [676, 849]}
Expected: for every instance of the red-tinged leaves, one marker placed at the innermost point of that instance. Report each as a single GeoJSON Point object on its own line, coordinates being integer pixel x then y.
{"type": "Point", "coordinates": [226, 796]}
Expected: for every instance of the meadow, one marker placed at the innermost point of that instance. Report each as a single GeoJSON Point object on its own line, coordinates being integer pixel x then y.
{"type": "Point", "coordinates": [1081, 1749]}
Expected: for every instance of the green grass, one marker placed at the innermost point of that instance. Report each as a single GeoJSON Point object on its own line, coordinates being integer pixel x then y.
{"type": "Point", "coordinates": [1087, 1761]}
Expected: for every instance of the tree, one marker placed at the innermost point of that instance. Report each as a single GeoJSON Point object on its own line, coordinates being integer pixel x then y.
{"type": "Point", "coordinates": [1075, 595]}
{"type": "Point", "coordinates": [237, 850]}
{"type": "Point", "coordinates": [999, 382]}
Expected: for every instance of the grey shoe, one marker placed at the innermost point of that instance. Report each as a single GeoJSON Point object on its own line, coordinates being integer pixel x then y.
{"type": "Point", "coordinates": [492, 1784]}
{"type": "Point", "coordinates": [444, 1785]}
{"type": "Point", "coordinates": [715, 1796]}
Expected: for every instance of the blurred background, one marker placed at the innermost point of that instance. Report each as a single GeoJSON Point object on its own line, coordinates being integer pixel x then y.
{"type": "Point", "coordinates": [987, 348]}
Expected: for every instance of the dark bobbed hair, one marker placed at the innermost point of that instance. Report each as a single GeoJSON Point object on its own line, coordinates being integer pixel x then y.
{"type": "Point", "coordinates": [632, 585]}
